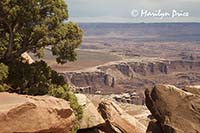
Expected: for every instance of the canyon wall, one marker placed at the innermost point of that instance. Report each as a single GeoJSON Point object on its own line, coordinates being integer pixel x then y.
{"type": "Point", "coordinates": [130, 75]}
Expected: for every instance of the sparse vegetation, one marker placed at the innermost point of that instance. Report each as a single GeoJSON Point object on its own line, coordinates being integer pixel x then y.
{"type": "Point", "coordinates": [3, 76]}
{"type": "Point", "coordinates": [3, 72]}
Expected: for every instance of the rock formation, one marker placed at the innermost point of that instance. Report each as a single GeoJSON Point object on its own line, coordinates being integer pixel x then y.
{"type": "Point", "coordinates": [22, 113]}
{"type": "Point", "coordinates": [193, 89]}
{"type": "Point", "coordinates": [175, 110]}
{"type": "Point", "coordinates": [136, 74]}
{"type": "Point", "coordinates": [91, 116]}
{"type": "Point", "coordinates": [117, 120]}
{"type": "Point", "coordinates": [93, 79]}
{"type": "Point", "coordinates": [112, 118]}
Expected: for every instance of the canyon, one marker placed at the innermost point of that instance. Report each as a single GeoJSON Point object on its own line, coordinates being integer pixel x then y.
{"type": "Point", "coordinates": [117, 62]}
{"type": "Point", "coordinates": [121, 58]}
{"type": "Point", "coordinates": [136, 75]}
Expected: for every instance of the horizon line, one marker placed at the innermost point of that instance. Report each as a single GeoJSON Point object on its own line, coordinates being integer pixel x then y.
{"type": "Point", "coordinates": [135, 22]}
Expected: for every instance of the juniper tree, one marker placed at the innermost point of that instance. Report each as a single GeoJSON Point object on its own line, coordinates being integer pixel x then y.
{"type": "Point", "coordinates": [32, 25]}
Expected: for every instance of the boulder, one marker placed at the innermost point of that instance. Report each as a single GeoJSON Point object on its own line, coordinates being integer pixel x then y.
{"type": "Point", "coordinates": [22, 113]}
{"type": "Point", "coordinates": [174, 109]}
{"type": "Point", "coordinates": [91, 116]}
{"type": "Point", "coordinates": [118, 120]}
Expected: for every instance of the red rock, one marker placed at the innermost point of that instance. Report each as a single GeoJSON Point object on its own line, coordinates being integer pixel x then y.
{"type": "Point", "coordinates": [22, 113]}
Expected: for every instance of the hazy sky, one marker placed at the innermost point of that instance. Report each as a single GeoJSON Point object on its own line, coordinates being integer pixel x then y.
{"type": "Point", "coordinates": [120, 10]}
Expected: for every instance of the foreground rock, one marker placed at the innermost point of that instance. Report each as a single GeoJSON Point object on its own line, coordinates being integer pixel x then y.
{"type": "Point", "coordinates": [174, 109]}
{"type": "Point", "coordinates": [91, 116]}
{"type": "Point", "coordinates": [117, 120]}
{"type": "Point", "coordinates": [19, 113]}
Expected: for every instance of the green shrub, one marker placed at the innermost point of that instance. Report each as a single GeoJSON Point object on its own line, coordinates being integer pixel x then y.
{"type": "Point", "coordinates": [32, 79]}
{"type": "Point", "coordinates": [3, 72]}
{"type": "Point", "coordinates": [4, 88]}
{"type": "Point", "coordinates": [58, 91]}
{"type": "Point", "coordinates": [74, 104]}
{"type": "Point", "coordinates": [64, 93]}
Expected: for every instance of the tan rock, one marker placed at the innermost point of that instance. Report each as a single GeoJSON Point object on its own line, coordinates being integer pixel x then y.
{"type": "Point", "coordinates": [91, 116]}
{"type": "Point", "coordinates": [174, 109]}
{"type": "Point", "coordinates": [193, 89]}
{"type": "Point", "coordinates": [118, 120]}
{"type": "Point", "coordinates": [27, 58]}
{"type": "Point", "coordinates": [21, 113]}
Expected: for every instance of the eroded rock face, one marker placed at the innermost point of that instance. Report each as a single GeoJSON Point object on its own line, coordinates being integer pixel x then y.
{"type": "Point", "coordinates": [153, 68]}
{"type": "Point", "coordinates": [118, 121]}
{"type": "Point", "coordinates": [174, 109]}
{"type": "Point", "coordinates": [93, 79]}
{"type": "Point", "coordinates": [20, 113]}
{"type": "Point", "coordinates": [116, 77]}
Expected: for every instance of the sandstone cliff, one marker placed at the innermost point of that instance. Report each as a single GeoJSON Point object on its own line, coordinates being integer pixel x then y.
{"type": "Point", "coordinates": [136, 74]}
{"type": "Point", "coordinates": [95, 80]}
